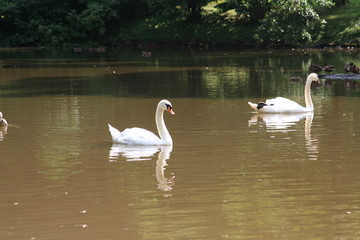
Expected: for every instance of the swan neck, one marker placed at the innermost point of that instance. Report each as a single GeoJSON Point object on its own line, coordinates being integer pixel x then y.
{"type": "Point", "coordinates": [161, 127]}
{"type": "Point", "coordinates": [308, 100]}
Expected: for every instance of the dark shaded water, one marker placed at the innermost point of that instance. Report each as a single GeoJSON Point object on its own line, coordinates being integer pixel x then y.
{"type": "Point", "coordinates": [231, 174]}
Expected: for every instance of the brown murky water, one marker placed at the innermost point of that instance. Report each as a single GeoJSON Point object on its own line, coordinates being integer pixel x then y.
{"type": "Point", "coordinates": [231, 174]}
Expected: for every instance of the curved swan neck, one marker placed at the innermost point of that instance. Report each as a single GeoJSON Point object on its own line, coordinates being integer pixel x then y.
{"type": "Point", "coordinates": [161, 127]}
{"type": "Point", "coordinates": [308, 101]}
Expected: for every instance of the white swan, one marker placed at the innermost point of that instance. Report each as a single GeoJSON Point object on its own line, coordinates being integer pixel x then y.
{"type": "Point", "coordinates": [140, 136]}
{"type": "Point", "coordinates": [3, 121]}
{"type": "Point", "coordinates": [284, 105]}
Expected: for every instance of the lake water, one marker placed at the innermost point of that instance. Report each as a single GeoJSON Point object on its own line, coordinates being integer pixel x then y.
{"type": "Point", "coordinates": [231, 174]}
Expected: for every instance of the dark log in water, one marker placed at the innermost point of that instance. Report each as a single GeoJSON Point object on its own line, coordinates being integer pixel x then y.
{"type": "Point", "coordinates": [341, 76]}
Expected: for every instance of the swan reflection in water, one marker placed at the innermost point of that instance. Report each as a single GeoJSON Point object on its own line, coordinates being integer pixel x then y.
{"type": "Point", "coordinates": [3, 127]}
{"type": "Point", "coordinates": [3, 131]}
{"type": "Point", "coordinates": [143, 153]}
{"type": "Point", "coordinates": [283, 122]}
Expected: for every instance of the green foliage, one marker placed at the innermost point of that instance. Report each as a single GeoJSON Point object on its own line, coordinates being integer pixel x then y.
{"type": "Point", "coordinates": [189, 10]}
{"type": "Point", "coordinates": [340, 2]}
{"type": "Point", "coordinates": [342, 24]}
{"type": "Point", "coordinates": [170, 31]}
{"type": "Point", "coordinates": [292, 22]}
{"type": "Point", "coordinates": [91, 22]}
{"type": "Point", "coordinates": [247, 10]}
{"type": "Point", "coordinates": [351, 33]}
{"type": "Point", "coordinates": [53, 23]}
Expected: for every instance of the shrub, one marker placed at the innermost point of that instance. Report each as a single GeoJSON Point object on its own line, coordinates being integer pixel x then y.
{"type": "Point", "coordinates": [291, 22]}
{"type": "Point", "coordinates": [351, 33]}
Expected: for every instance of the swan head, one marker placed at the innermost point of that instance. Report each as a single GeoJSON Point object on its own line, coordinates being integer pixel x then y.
{"type": "Point", "coordinates": [165, 105]}
{"type": "Point", "coordinates": [314, 78]}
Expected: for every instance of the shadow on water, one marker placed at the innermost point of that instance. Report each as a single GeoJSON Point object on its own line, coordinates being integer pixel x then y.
{"type": "Point", "coordinates": [123, 85]}
{"type": "Point", "coordinates": [189, 83]}
{"type": "Point", "coordinates": [160, 84]}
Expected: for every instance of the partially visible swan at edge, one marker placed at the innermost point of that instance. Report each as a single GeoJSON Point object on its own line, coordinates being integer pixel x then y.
{"type": "Point", "coordinates": [3, 121]}
{"type": "Point", "coordinates": [284, 105]}
{"type": "Point", "coordinates": [140, 136]}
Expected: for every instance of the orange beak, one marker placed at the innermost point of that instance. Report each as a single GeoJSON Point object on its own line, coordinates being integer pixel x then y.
{"type": "Point", "coordinates": [170, 110]}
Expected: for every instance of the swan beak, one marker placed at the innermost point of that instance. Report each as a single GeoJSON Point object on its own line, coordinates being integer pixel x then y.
{"type": "Point", "coordinates": [170, 110]}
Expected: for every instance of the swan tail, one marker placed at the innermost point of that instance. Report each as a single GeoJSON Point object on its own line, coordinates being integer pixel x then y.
{"type": "Point", "coordinates": [253, 106]}
{"type": "Point", "coordinates": [114, 133]}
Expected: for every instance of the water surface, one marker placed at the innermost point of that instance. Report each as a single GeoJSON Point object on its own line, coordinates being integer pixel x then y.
{"type": "Point", "coordinates": [231, 173]}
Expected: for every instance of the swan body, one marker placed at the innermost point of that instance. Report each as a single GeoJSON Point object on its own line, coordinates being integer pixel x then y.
{"type": "Point", "coordinates": [3, 121]}
{"type": "Point", "coordinates": [284, 105]}
{"type": "Point", "coordinates": [140, 136]}
{"type": "Point", "coordinates": [134, 136]}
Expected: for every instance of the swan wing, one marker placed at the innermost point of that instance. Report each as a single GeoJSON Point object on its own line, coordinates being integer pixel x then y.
{"type": "Point", "coordinates": [281, 105]}
{"type": "Point", "coordinates": [277, 105]}
{"type": "Point", "coordinates": [280, 101]}
{"type": "Point", "coordinates": [140, 136]}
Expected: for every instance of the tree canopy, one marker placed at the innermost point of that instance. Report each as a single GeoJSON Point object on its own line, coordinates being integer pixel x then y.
{"type": "Point", "coordinates": [53, 23]}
